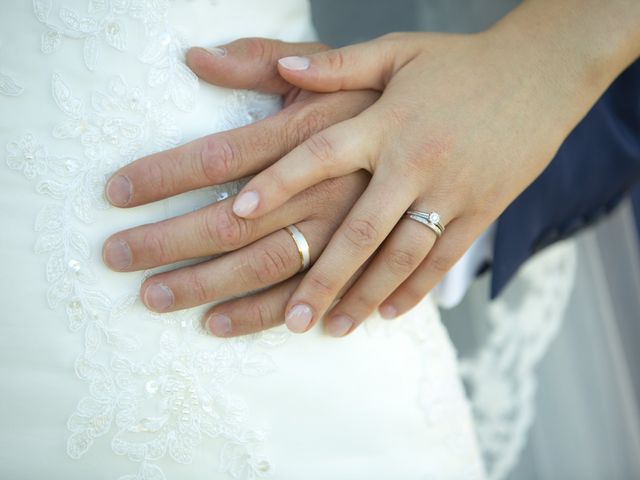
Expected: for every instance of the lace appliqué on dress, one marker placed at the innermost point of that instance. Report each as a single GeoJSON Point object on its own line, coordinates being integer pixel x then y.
{"type": "Point", "coordinates": [9, 86]}
{"type": "Point", "coordinates": [104, 25]}
{"type": "Point", "coordinates": [156, 405]}
{"type": "Point", "coordinates": [501, 375]}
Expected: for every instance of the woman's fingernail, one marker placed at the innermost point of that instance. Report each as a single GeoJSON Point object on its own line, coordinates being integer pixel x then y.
{"type": "Point", "coordinates": [339, 325]}
{"type": "Point", "coordinates": [119, 191]}
{"type": "Point", "coordinates": [388, 312]}
{"type": "Point", "coordinates": [117, 254]}
{"type": "Point", "coordinates": [299, 318]}
{"type": "Point", "coordinates": [158, 297]}
{"type": "Point", "coordinates": [219, 325]}
{"type": "Point", "coordinates": [218, 51]}
{"type": "Point", "coordinates": [246, 203]}
{"type": "Point", "coordinates": [294, 63]}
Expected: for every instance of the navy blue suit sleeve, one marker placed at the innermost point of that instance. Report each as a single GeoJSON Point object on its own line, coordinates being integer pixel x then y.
{"type": "Point", "coordinates": [598, 162]}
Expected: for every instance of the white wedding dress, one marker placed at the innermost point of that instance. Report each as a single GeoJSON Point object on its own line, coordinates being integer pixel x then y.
{"type": "Point", "coordinates": [94, 385]}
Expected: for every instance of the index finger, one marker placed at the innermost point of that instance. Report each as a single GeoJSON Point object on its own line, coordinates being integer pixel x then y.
{"type": "Point", "coordinates": [211, 160]}
{"type": "Point", "coordinates": [233, 154]}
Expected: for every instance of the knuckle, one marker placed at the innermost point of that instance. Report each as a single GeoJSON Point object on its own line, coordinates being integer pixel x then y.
{"type": "Point", "coordinates": [411, 295]}
{"type": "Point", "coordinates": [441, 264]}
{"type": "Point", "coordinates": [333, 197]}
{"type": "Point", "coordinates": [321, 285]}
{"type": "Point", "coordinates": [402, 262]}
{"type": "Point", "coordinates": [271, 264]}
{"type": "Point", "coordinates": [321, 148]}
{"type": "Point", "coordinates": [226, 229]}
{"type": "Point", "coordinates": [154, 246]}
{"type": "Point", "coordinates": [218, 159]}
{"type": "Point", "coordinates": [305, 124]}
{"type": "Point", "coordinates": [198, 288]}
{"type": "Point", "coordinates": [262, 315]}
{"type": "Point", "coordinates": [336, 59]}
{"type": "Point", "coordinates": [362, 304]}
{"type": "Point", "coordinates": [265, 315]}
{"type": "Point", "coordinates": [156, 177]}
{"type": "Point", "coordinates": [258, 48]}
{"type": "Point", "coordinates": [273, 178]}
{"type": "Point", "coordinates": [361, 233]}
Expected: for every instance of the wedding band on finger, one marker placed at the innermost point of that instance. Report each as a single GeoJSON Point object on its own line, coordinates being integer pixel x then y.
{"type": "Point", "coordinates": [302, 245]}
{"type": "Point", "coordinates": [430, 220]}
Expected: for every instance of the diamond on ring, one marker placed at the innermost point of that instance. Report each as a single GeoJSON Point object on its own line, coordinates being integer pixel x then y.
{"type": "Point", "coordinates": [428, 219]}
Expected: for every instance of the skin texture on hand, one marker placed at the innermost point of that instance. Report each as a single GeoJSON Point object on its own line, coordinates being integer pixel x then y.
{"type": "Point", "coordinates": [464, 124]}
{"type": "Point", "coordinates": [257, 254]}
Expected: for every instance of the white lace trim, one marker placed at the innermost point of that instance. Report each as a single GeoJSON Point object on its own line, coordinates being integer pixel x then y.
{"type": "Point", "coordinates": [501, 375]}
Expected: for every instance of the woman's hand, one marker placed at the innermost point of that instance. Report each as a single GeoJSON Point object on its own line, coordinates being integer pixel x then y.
{"type": "Point", "coordinates": [261, 254]}
{"type": "Point", "coordinates": [465, 123]}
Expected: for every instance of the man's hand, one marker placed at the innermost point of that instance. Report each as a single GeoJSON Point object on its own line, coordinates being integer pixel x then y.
{"type": "Point", "coordinates": [261, 253]}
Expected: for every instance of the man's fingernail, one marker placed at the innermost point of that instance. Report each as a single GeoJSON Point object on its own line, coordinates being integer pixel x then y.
{"type": "Point", "coordinates": [299, 318]}
{"type": "Point", "coordinates": [339, 325]}
{"type": "Point", "coordinates": [218, 51]}
{"type": "Point", "coordinates": [119, 191]}
{"type": "Point", "coordinates": [117, 254]}
{"type": "Point", "coordinates": [158, 297]}
{"type": "Point", "coordinates": [246, 203]}
{"type": "Point", "coordinates": [388, 312]}
{"type": "Point", "coordinates": [294, 63]}
{"type": "Point", "coordinates": [219, 325]}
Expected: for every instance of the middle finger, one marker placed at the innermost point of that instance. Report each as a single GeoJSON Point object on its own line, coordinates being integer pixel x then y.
{"type": "Point", "coordinates": [207, 231]}
{"type": "Point", "coordinates": [266, 262]}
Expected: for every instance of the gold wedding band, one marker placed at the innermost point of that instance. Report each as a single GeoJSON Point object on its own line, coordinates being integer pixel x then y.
{"type": "Point", "coordinates": [302, 245]}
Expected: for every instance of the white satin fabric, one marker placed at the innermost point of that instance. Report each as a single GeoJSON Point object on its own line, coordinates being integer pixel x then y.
{"type": "Point", "coordinates": [95, 386]}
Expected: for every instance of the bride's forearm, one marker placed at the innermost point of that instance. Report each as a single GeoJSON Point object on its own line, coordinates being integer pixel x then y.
{"type": "Point", "coordinates": [602, 36]}
{"type": "Point", "coordinates": [573, 48]}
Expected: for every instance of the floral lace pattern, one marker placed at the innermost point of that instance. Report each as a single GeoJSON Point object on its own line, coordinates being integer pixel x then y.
{"type": "Point", "coordinates": [9, 86]}
{"type": "Point", "coordinates": [104, 26]}
{"type": "Point", "coordinates": [501, 375]}
{"type": "Point", "coordinates": [161, 406]}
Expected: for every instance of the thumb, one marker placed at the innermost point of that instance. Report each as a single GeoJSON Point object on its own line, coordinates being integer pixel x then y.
{"type": "Point", "coordinates": [248, 63]}
{"type": "Point", "coordinates": [367, 65]}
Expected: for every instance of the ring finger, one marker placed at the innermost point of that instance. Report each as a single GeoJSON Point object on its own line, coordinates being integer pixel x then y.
{"type": "Point", "coordinates": [207, 231]}
{"type": "Point", "coordinates": [266, 262]}
{"type": "Point", "coordinates": [402, 252]}
{"type": "Point", "coordinates": [455, 241]}
{"type": "Point", "coordinates": [256, 312]}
